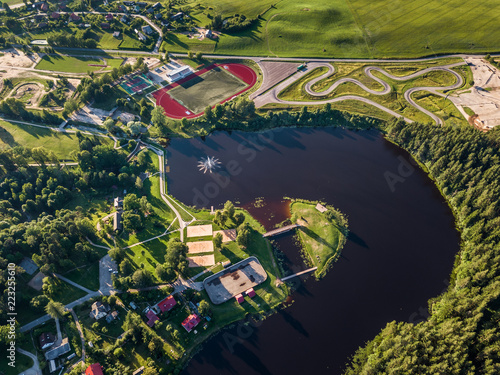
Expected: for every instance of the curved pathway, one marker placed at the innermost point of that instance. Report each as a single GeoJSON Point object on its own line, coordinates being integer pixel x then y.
{"type": "Point", "coordinates": [35, 369]}
{"type": "Point", "coordinates": [272, 95]}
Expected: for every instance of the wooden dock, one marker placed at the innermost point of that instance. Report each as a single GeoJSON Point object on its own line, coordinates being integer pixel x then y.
{"type": "Point", "coordinates": [281, 230]}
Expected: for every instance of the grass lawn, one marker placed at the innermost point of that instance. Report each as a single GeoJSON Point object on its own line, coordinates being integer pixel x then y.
{"type": "Point", "coordinates": [69, 64]}
{"type": "Point", "coordinates": [322, 239]}
{"type": "Point", "coordinates": [66, 293]}
{"type": "Point", "coordinates": [207, 89]}
{"type": "Point", "coordinates": [87, 276]}
{"type": "Point", "coordinates": [23, 362]}
{"type": "Point", "coordinates": [12, 135]}
{"type": "Point", "coordinates": [349, 28]}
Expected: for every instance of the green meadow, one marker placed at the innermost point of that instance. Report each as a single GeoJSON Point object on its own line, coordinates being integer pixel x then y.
{"type": "Point", "coordinates": [348, 28]}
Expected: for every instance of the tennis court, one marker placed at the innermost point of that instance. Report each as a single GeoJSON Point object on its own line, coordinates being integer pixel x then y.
{"type": "Point", "coordinates": [189, 96]}
{"type": "Point", "coordinates": [136, 85]}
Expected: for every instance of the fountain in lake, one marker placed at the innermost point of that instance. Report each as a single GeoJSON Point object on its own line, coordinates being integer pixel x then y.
{"type": "Point", "coordinates": [208, 164]}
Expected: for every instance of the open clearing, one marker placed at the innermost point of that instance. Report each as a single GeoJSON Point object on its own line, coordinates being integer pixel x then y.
{"type": "Point", "coordinates": [350, 28]}
{"type": "Point", "coordinates": [16, 58]}
{"type": "Point", "coordinates": [209, 89]}
{"type": "Point", "coordinates": [12, 135]}
{"type": "Point", "coordinates": [228, 235]}
{"type": "Point", "coordinates": [70, 64]}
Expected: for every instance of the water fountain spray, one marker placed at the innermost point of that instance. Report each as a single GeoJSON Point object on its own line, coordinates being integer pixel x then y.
{"type": "Point", "coordinates": [208, 164]}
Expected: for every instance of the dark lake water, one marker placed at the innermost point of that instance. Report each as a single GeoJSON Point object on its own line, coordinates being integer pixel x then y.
{"type": "Point", "coordinates": [400, 252]}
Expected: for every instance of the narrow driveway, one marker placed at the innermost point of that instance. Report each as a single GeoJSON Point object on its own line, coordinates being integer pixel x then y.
{"type": "Point", "coordinates": [35, 369]}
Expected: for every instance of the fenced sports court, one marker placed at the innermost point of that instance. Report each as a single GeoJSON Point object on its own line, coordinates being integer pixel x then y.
{"type": "Point", "coordinates": [136, 84]}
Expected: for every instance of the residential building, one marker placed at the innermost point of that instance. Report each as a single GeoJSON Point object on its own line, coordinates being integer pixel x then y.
{"type": "Point", "coordinates": [158, 16]}
{"type": "Point", "coordinates": [152, 318]}
{"type": "Point", "coordinates": [177, 16]}
{"type": "Point", "coordinates": [116, 34]}
{"type": "Point", "coordinates": [99, 310]}
{"type": "Point", "coordinates": [109, 17]}
{"type": "Point", "coordinates": [105, 25]}
{"type": "Point", "coordinates": [46, 340]}
{"type": "Point", "coordinates": [111, 316]}
{"type": "Point", "coordinates": [141, 36]}
{"type": "Point", "coordinates": [124, 19]}
{"type": "Point", "coordinates": [167, 304]}
{"type": "Point", "coordinates": [94, 369]}
{"type": "Point", "coordinates": [75, 18]}
{"type": "Point", "coordinates": [117, 221]}
{"type": "Point", "coordinates": [190, 322]}
{"type": "Point", "coordinates": [63, 348]}
{"type": "Point", "coordinates": [44, 7]}
{"type": "Point", "coordinates": [157, 6]}
{"type": "Point", "coordinates": [147, 30]}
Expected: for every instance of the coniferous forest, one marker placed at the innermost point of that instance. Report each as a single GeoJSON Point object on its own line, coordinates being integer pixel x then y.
{"type": "Point", "coordinates": [462, 334]}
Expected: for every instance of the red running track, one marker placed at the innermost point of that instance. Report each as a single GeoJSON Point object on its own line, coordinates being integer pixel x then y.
{"type": "Point", "coordinates": [174, 109]}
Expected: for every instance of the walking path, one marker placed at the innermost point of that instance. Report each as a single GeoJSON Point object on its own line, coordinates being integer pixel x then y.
{"type": "Point", "coordinates": [79, 327]}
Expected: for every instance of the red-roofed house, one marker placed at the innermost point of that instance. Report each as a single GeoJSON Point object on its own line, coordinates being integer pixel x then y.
{"type": "Point", "coordinates": [167, 304]}
{"type": "Point", "coordinates": [239, 298]}
{"type": "Point", "coordinates": [54, 15]}
{"type": "Point", "coordinates": [152, 318]}
{"type": "Point", "coordinates": [250, 293]}
{"type": "Point", "coordinates": [105, 25]}
{"type": "Point", "coordinates": [74, 17]}
{"type": "Point", "coordinates": [190, 322]}
{"type": "Point", "coordinates": [109, 17]}
{"type": "Point", "coordinates": [94, 369]}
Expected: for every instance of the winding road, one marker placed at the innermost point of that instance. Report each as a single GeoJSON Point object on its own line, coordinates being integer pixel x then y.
{"type": "Point", "coordinates": [271, 96]}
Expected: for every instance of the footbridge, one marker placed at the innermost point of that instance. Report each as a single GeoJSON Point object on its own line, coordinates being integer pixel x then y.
{"type": "Point", "coordinates": [281, 230]}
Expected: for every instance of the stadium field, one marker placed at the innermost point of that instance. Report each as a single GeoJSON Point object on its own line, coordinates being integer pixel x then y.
{"type": "Point", "coordinates": [207, 87]}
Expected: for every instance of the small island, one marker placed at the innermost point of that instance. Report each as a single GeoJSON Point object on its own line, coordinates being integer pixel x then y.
{"type": "Point", "coordinates": [322, 233]}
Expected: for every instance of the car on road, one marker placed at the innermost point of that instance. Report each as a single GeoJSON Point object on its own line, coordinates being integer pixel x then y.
{"type": "Point", "coordinates": [110, 269]}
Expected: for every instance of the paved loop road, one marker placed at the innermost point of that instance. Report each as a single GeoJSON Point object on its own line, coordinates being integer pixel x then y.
{"type": "Point", "coordinates": [272, 95]}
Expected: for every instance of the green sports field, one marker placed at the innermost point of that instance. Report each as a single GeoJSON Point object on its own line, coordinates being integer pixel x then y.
{"type": "Point", "coordinates": [350, 28]}
{"type": "Point", "coordinates": [208, 89]}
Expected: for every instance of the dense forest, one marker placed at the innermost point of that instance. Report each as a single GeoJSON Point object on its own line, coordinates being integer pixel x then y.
{"type": "Point", "coordinates": [462, 334]}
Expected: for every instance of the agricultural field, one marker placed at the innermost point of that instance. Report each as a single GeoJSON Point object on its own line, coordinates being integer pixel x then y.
{"type": "Point", "coordinates": [348, 28]}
